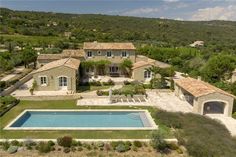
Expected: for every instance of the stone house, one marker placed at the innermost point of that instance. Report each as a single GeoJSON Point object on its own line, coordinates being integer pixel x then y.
{"type": "Point", "coordinates": [58, 75]}
{"type": "Point", "coordinates": [54, 65]}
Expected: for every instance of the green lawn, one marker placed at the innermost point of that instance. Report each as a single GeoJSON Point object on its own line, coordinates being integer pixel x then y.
{"type": "Point", "coordinates": [70, 104]}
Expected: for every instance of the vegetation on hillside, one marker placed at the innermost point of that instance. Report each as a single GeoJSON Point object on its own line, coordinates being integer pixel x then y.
{"type": "Point", "coordinates": [201, 136]}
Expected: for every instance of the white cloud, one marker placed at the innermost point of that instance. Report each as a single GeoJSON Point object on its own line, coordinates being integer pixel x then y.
{"type": "Point", "coordinates": [179, 19]}
{"type": "Point", "coordinates": [215, 13]}
{"type": "Point", "coordinates": [170, 0]}
{"type": "Point", "coordinates": [140, 11]}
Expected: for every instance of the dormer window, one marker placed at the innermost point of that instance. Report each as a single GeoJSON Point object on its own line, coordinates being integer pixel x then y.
{"type": "Point", "coordinates": [89, 54]}
{"type": "Point", "coordinates": [124, 54]}
{"type": "Point", "coordinates": [108, 53]}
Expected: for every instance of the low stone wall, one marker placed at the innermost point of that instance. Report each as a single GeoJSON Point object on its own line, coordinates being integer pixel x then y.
{"type": "Point", "coordinates": [12, 88]}
{"type": "Point", "coordinates": [49, 97]}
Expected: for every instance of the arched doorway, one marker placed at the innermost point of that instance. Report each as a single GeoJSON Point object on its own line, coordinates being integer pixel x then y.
{"type": "Point", "coordinates": [214, 107]}
{"type": "Point", "coordinates": [63, 82]}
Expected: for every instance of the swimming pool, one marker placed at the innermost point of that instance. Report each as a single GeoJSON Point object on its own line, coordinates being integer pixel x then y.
{"type": "Point", "coordinates": [83, 120]}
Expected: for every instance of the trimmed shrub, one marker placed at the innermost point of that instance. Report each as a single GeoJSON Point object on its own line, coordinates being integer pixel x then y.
{"type": "Point", "coordinates": [120, 148]}
{"type": "Point", "coordinates": [74, 143]}
{"type": "Point", "coordinates": [79, 143]}
{"type": "Point", "coordinates": [12, 149]}
{"type": "Point", "coordinates": [80, 149]}
{"type": "Point", "coordinates": [126, 82]}
{"type": "Point", "coordinates": [108, 83]}
{"type": "Point", "coordinates": [65, 141]}
{"type": "Point", "coordinates": [66, 150]}
{"type": "Point", "coordinates": [100, 144]}
{"type": "Point", "coordinates": [51, 143]}
{"type": "Point", "coordinates": [44, 147]}
{"type": "Point", "coordinates": [5, 145]}
{"type": "Point", "coordinates": [158, 142]}
{"type": "Point", "coordinates": [15, 143]}
{"type": "Point", "coordinates": [173, 146]}
{"type": "Point", "coordinates": [138, 144]}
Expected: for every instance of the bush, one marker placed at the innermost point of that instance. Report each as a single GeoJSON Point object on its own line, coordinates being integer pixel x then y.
{"type": "Point", "coordinates": [80, 149]}
{"type": "Point", "coordinates": [102, 93]}
{"type": "Point", "coordinates": [74, 143]}
{"type": "Point", "coordinates": [138, 144]}
{"type": "Point", "coordinates": [120, 148]}
{"type": "Point", "coordinates": [29, 143]}
{"type": "Point", "coordinates": [66, 150]}
{"type": "Point", "coordinates": [5, 145]}
{"type": "Point", "coordinates": [173, 146]}
{"type": "Point", "coordinates": [109, 83]}
{"type": "Point", "coordinates": [7, 100]}
{"type": "Point", "coordinates": [51, 143]}
{"type": "Point", "coordinates": [158, 142]}
{"type": "Point", "coordinates": [95, 83]}
{"type": "Point", "coordinates": [12, 149]}
{"type": "Point", "coordinates": [44, 147]}
{"type": "Point", "coordinates": [100, 144]}
{"type": "Point", "coordinates": [65, 141]}
{"type": "Point", "coordinates": [127, 82]}
{"type": "Point", "coordinates": [15, 143]}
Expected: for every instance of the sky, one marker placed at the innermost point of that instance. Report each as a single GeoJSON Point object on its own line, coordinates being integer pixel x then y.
{"type": "Point", "coordinates": [193, 10]}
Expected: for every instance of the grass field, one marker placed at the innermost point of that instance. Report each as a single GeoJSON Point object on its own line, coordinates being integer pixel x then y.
{"type": "Point", "coordinates": [71, 104]}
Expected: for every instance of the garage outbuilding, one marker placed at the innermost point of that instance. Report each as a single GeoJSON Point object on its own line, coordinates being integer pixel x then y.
{"type": "Point", "coordinates": [205, 98]}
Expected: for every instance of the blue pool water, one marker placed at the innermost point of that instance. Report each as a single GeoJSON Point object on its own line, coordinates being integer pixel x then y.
{"type": "Point", "coordinates": [82, 119]}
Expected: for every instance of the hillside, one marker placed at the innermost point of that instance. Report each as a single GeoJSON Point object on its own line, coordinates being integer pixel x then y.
{"type": "Point", "coordinates": [219, 35]}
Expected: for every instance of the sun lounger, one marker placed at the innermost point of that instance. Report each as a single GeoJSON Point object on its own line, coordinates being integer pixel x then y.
{"type": "Point", "coordinates": [124, 98]}
{"type": "Point", "coordinates": [130, 99]}
{"type": "Point", "coordinates": [141, 98]}
{"type": "Point", "coordinates": [136, 98]}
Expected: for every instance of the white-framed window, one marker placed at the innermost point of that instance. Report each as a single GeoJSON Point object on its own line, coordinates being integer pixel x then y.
{"type": "Point", "coordinates": [124, 54]}
{"type": "Point", "coordinates": [108, 53]}
{"type": "Point", "coordinates": [62, 81]}
{"type": "Point", "coordinates": [89, 54]}
{"type": "Point", "coordinates": [147, 74]}
{"type": "Point", "coordinates": [43, 80]}
{"type": "Point", "coordinates": [99, 52]}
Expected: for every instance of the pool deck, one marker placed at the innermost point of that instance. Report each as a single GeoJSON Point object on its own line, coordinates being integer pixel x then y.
{"type": "Point", "coordinates": [148, 119]}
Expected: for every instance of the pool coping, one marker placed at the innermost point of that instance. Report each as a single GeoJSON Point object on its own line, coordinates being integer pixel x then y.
{"type": "Point", "coordinates": [153, 126]}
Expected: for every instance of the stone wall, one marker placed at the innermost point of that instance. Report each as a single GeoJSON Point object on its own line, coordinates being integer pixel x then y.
{"type": "Point", "coordinates": [12, 88]}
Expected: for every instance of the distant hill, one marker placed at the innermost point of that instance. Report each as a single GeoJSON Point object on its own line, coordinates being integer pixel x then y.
{"type": "Point", "coordinates": [89, 27]}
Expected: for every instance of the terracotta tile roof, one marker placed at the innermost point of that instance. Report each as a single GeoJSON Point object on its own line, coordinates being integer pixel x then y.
{"type": "Point", "coordinates": [49, 56]}
{"type": "Point", "coordinates": [68, 62]}
{"type": "Point", "coordinates": [141, 64]}
{"type": "Point", "coordinates": [73, 53]}
{"type": "Point", "coordinates": [108, 46]}
{"type": "Point", "coordinates": [143, 61]}
{"type": "Point", "coordinates": [199, 88]}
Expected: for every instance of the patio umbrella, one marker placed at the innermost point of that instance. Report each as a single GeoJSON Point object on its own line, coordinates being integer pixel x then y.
{"type": "Point", "coordinates": [110, 95]}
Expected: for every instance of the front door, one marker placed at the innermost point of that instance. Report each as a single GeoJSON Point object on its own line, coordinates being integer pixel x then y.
{"type": "Point", "coordinates": [63, 83]}
{"type": "Point", "coordinates": [114, 70]}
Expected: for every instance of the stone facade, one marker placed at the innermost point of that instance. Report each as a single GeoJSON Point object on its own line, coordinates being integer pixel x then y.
{"type": "Point", "coordinates": [52, 77]}
{"type": "Point", "coordinates": [116, 55]}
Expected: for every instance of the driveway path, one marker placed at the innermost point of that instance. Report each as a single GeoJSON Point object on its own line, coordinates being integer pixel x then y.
{"type": "Point", "coordinates": [229, 122]}
{"type": "Point", "coordinates": [168, 101]}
